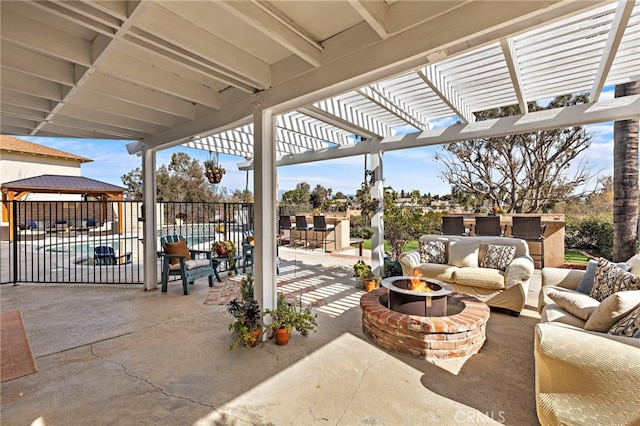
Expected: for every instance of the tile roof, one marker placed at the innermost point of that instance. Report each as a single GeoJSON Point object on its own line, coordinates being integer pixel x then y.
{"type": "Point", "coordinates": [9, 143]}
{"type": "Point", "coordinates": [64, 184]}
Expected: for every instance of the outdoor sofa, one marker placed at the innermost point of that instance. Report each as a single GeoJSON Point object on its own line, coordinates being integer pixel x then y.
{"type": "Point", "coordinates": [587, 349]}
{"type": "Point", "coordinates": [496, 270]}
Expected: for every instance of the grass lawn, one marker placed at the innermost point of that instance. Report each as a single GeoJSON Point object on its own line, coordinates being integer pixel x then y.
{"type": "Point", "coordinates": [572, 256]}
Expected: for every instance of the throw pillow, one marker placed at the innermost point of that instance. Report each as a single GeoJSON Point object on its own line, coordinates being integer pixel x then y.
{"type": "Point", "coordinates": [464, 252]}
{"type": "Point", "coordinates": [498, 257]}
{"type": "Point", "coordinates": [610, 278]}
{"type": "Point", "coordinates": [611, 310]}
{"type": "Point", "coordinates": [629, 325]}
{"type": "Point", "coordinates": [577, 304]}
{"type": "Point", "coordinates": [586, 282]}
{"type": "Point", "coordinates": [433, 252]}
{"type": "Point", "coordinates": [179, 248]}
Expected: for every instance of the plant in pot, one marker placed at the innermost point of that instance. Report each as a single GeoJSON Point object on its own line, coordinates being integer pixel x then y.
{"type": "Point", "coordinates": [226, 249]}
{"type": "Point", "coordinates": [213, 170]}
{"type": "Point", "coordinates": [287, 316]}
{"type": "Point", "coordinates": [363, 273]}
{"type": "Point", "coordinates": [247, 316]}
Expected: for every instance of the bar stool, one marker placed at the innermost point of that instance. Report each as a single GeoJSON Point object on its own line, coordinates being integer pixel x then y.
{"type": "Point", "coordinates": [302, 225]}
{"type": "Point", "coordinates": [320, 226]}
{"type": "Point", "coordinates": [488, 225]}
{"type": "Point", "coordinates": [285, 225]}
{"type": "Point", "coordinates": [530, 229]}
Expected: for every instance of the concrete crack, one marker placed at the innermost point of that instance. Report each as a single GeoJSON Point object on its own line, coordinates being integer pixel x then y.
{"type": "Point", "coordinates": [157, 388]}
{"type": "Point", "coordinates": [364, 373]}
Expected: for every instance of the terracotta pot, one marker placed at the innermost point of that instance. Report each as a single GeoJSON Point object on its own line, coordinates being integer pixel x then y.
{"type": "Point", "coordinates": [256, 336]}
{"type": "Point", "coordinates": [282, 336]}
{"type": "Point", "coordinates": [370, 285]}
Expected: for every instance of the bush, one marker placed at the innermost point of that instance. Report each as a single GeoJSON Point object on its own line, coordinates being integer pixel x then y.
{"type": "Point", "coordinates": [593, 233]}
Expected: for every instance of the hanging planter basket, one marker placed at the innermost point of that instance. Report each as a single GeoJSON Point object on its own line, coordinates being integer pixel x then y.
{"type": "Point", "coordinates": [213, 171]}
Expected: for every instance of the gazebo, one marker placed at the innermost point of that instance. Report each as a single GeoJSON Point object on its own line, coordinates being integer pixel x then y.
{"type": "Point", "coordinates": [56, 184]}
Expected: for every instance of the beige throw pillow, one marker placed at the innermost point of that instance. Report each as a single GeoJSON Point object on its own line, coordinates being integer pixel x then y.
{"type": "Point", "coordinates": [612, 309]}
{"type": "Point", "coordinates": [464, 253]}
{"type": "Point", "coordinates": [577, 304]}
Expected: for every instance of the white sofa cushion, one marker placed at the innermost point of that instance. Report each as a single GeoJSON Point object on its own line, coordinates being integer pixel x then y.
{"type": "Point", "coordinates": [435, 271]}
{"type": "Point", "coordinates": [612, 309]}
{"type": "Point", "coordinates": [464, 253]}
{"type": "Point", "coordinates": [190, 264]}
{"type": "Point", "coordinates": [479, 277]}
{"type": "Point", "coordinates": [555, 314]}
{"type": "Point", "coordinates": [574, 302]}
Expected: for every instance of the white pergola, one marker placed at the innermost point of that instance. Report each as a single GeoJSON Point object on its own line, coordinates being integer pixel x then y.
{"type": "Point", "coordinates": [288, 82]}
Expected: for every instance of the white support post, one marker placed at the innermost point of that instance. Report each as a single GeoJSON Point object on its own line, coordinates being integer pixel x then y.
{"type": "Point", "coordinates": [377, 222]}
{"type": "Point", "coordinates": [264, 184]}
{"type": "Point", "coordinates": [149, 238]}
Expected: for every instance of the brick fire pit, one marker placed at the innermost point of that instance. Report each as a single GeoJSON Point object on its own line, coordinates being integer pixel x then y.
{"type": "Point", "coordinates": [453, 336]}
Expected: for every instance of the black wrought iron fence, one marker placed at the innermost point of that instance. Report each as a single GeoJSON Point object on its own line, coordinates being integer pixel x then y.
{"type": "Point", "coordinates": [101, 241]}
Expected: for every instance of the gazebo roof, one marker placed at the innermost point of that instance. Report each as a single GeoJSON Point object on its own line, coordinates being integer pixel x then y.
{"type": "Point", "coordinates": [62, 184]}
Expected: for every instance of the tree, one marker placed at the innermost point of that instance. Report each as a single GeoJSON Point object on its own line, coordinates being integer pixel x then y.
{"type": "Point", "coordinates": [133, 182]}
{"type": "Point", "coordinates": [520, 173]}
{"type": "Point", "coordinates": [402, 222]}
{"type": "Point", "coordinates": [625, 181]}
{"type": "Point", "coordinates": [181, 180]}
{"type": "Point", "coordinates": [318, 196]}
{"type": "Point", "coordinates": [300, 195]}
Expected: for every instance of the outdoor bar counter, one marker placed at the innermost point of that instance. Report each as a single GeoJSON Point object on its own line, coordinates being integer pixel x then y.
{"type": "Point", "coordinates": [553, 237]}
{"type": "Point", "coordinates": [341, 233]}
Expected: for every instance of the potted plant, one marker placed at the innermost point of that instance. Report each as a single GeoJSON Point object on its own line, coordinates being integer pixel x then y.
{"type": "Point", "coordinates": [363, 273]}
{"type": "Point", "coordinates": [247, 316]}
{"type": "Point", "coordinates": [213, 170]}
{"type": "Point", "coordinates": [287, 316]}
{"type": "Point", "coordinates": [226, 249]}
{"type": "Point", "coordinates": [180, 218]}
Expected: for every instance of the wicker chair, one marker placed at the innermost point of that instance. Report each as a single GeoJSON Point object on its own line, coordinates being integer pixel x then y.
{"type": "Point", "coordinates": [530, 229]}
{"type": "Point", "coordinates": [453, 225]}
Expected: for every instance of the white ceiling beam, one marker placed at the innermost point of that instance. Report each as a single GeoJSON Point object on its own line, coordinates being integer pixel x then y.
{"type": "Point", "coordinates": [438, 83]}
{"type": "Point", "coordinates": [143, 96]}
{"type": "Point", "coordinates": [57, 130]}
{"type": "Point", "coordinates": [298, 122]}
{"type": "Point", "coordinates": [513, 65]}
{"type": "Point", "coordinates": [21, 112]}
{"type": "Point", "coordinates": [375, 13]}
{"type": "Point", "coordinates": [24, 83]}
{"type": "Point", "coordinates": [89, 125]}
{"type": "Point", "coordinates": [26, 101]}
{"type": "Point", "coordinates": [23, 122]}
{"type": "Point", "coordinates": [82, 14]}
{"type": "Point", "coordinates": [381, 97]}
{"type": "Point", "coordinates": [13, 130]}
{"type": "Point", "coordinates": [277, 29]}
{"type": "Point", "coordinates": [138, 72]}
{"type": "Point", "coordinates": [624, 108]}
{"type": "Point", "coordinates": [37, 65]}
{"type": "Point", "coordinates": [100, 116]}
{"type": "Point", "coordinates": [338, 111]}
{"type": "Point", "coordinates": [404, 15]}
{"type": "Point", "coordinates": [162, 23]}
{"type": "Point", "coordinates": [378, 61]}
{"type": "Point", "coordinates": [618, 26]}
{"type": "Point", "coordinates": [46, 40]}
{"type": "Point", "coordinates": [337, 121]}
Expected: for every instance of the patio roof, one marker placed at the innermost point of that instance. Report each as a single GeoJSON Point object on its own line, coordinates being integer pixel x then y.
{"type": "Point", "coordinates": [169, 73]}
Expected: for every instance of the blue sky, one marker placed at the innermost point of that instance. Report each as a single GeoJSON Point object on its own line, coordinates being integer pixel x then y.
{"type": "Point", "coordinates": [404, 169]}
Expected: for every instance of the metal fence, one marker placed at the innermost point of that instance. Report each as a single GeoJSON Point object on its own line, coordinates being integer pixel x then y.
{"type": "Point", "coordinates": [101, 241]}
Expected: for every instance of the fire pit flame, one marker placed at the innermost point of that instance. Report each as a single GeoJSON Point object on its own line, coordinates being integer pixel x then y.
{"type": "Point", "coordinates": [417, 284]}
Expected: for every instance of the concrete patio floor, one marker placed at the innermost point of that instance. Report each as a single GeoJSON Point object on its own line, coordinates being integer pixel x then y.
{"type": "Point", "coordinates": [115, 355]}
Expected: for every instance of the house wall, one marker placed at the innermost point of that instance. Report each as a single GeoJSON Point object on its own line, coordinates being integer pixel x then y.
{"type": "Point", "coordinates": [14, 166]}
